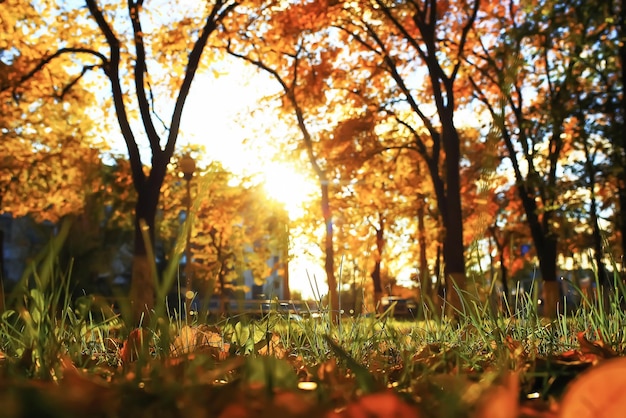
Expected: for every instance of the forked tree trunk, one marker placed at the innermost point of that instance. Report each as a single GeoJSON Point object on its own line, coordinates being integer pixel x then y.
{"type": "Point", "coordinates": [546, 248]}
{"type": "Point", "coordinates": [603, 277]}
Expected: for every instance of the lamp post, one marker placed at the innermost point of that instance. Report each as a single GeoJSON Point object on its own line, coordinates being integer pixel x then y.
{"type": "Point", "coordinates": [188, 167]}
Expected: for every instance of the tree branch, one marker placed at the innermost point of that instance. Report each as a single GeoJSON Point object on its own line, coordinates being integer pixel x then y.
{"type": "Point", "coordinates": [214, 17]}
{"type": "Point", "coordinates": [141, 68]}
{"type": "Point", "coordinates": [463, 41]}
{"type": "Point", "coordinates": [72, 83]}
{"type": "Point", "coordinates": [45, 61]}
{"type": "Point", "coordinates": [136, 165]}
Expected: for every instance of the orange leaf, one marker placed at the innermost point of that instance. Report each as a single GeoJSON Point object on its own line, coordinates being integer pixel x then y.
{"type": "Point", "coordinates": [599, 392]}
{"type": "Point", "coordinates": [500, 401]}
{"type": "Point", "coordinates": [597, 347]}
{"type": "Point", "coordinates": [135, 345]}
{"type": "Point", "coordinates": [377, 405]}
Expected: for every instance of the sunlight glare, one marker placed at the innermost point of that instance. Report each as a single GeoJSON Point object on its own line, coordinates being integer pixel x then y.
{"type": "Point", "coordinates": [289, 187]}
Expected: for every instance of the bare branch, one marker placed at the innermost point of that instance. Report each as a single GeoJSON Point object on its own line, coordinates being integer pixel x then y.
{"type": "Point", "coordinates": [47, 60]}
{"type": "Point", "coordinates": [463, 41]}
{"type": "Point", "coordinates": [72, 83]}
{"type": "Point", "coordinates": [219, 11]}
{"type": "Point", "coordinates": [153, 109]}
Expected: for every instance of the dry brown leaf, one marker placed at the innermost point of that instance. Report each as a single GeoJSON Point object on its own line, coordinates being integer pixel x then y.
{"type": "Point", "coordinates": [274, 348]}
{"type": "Point", "coordinates": [590, 352]}
{"type": "Point", "coordinates": [599, 392]}
{"type": "Point", "coordinates": [186, 341]}
{"type": "Point", "coordinates": [191, 339]}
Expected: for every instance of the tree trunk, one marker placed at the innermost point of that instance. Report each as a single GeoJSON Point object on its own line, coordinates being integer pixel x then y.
{"type": "Point", "coordinates": [453, 248]}
{"type": "Point", "coordinates": [223, 297]}
{"type": "Point", "coordinates": [603, 278]}
{"type": "Point", "coordinates": [545, 245]}
{"type": "Point", "coordinates": [546, 249]}
{"type": "Point", "coordinates": [424, 277]}
{"type": "Point", "coordinates": [2, 272]}
{"type": "Point", "coordinates": [551, 286]}
{"type": "Point", "coordinates": [376, 273]}
{"type": "Point", "coordinates": [504, 275]}
{"type": "Point", "coordinates": [329, 264]}
{"type": "Point", "coordinates": [143, 279]}
{"type": "Point", "coordinates": [441, 293]}
{"type": "Point", "coordinates": [621, 214]}
{"type": "Point", "coordinates": [619, 141]}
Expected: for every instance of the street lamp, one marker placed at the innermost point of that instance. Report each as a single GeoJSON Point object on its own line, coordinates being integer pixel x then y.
{"type": "Point", "coordinates": [188, 167]}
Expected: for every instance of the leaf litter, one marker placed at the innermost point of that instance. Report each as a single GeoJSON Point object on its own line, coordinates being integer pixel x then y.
{"type": "Point", "coordinates": [206, 374]}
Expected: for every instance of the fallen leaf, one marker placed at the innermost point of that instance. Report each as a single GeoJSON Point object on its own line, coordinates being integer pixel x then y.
{"type": "Point", "coordinates": [200, 338]}
{"type": "Point", "coordinates": [501, 400]}
{"type": "Point", "coordinates": [235, 410]}
{"type": "Point", "coordinates": [81, 392]}
{"type": "Point", "coordinates": [596, 348]}
{"type": "Point", "coordinates": [538, 409]}
{"type": "Point", "coordinates": [274, 347]}
{"type": "Point", "coordinates": [377, 405]}
{"type": "Point", "coordinates": [293, 403]}
{"type": "Point", "coordinates": [135, 346]}
{"type": "Point", "coordinates": [599, 392]}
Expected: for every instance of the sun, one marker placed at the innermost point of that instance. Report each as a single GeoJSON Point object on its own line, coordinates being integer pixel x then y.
{"type": "Point", "coordinates": [288, 186]}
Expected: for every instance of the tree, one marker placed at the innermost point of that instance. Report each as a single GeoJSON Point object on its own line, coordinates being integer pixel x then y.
{"type": "Point", "coordinates": [391, 41]}
{"type": "Point", "coordinates": [50, 163]}
{"type": "Point", "coordinates": [281, 50]}
{"type": "Point", "coordinates": [235, 231]}
{"type": "Point", "coordinates": [618, 113]}
{"type": "Point", "coordinates": [535, 128]}
{"type": "Point", "coordinates": [376, 207]}
{"type": "Point", "coordinates": [123, 55]}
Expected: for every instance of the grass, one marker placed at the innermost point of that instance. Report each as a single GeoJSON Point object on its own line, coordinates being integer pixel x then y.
{"type": "Point", "coordinates": [62, 357]}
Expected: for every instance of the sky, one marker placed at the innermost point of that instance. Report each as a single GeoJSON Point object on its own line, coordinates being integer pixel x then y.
{"type": "Point", "coordinates": [225, 115]}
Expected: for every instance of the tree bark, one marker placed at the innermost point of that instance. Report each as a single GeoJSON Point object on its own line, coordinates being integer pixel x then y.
{"type": "Point", "coordinates": [329, 263]}
{"type": "Point", "coordinates": [598, 247]}
{"type": "Point", "coordinates": [143, 279]}
{"type": "Point", "coordinates": [376, 273]}
{"type": "Point", "coordinates": [545, 246]}
{"type": "Point", "coordinates": [2, 272]}
{"type": "Point", "coordinates": [452, 215]}
{"type": "Point", "coordinates": [619, 141]}
{"type": "Point", "coordinates": [424, 276]}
